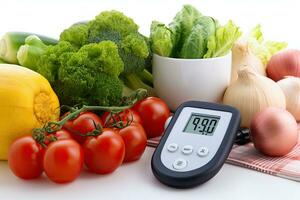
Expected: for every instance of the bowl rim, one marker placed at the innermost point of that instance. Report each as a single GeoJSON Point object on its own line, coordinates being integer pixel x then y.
{"type": "Point", "coordinates": [192, 59]}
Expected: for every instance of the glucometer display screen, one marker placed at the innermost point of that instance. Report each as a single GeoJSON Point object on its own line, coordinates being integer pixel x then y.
{"type": "Point", "coordinates": [202, 124]}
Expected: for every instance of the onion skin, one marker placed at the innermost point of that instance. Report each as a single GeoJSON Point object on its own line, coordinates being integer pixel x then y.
{"type": "Point", "coordinates": [284, 63]}
{"type": "Point", "coordinates": [274, 131]}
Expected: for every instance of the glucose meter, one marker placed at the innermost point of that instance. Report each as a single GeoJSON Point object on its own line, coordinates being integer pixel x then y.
{"type": "Point", "coordinates": [195, 144]}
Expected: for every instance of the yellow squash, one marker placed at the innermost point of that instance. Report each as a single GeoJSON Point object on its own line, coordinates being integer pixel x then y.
{"type": "Point", "coordinates": [27, 101]}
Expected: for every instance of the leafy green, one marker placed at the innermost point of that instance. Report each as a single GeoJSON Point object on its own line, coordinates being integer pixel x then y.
{"type": "Point", "coordinates": [182, 25]}
{"type": "Point", "coordinates": [195, 44]}
{"type": "Point", "coordinates": [193, 35]}
{"type": "Point", "coordinates": [263, 49]}
{"type": "Point", "coordinates": [221, 43]}
{"type": "Point", "coordinates": [161, 39]}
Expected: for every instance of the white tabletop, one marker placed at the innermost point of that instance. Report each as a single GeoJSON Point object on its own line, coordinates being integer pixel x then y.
{"type": "Point", "coordinates": [135, 181]}
{"type": "Point", "coordinates": [279, 20]}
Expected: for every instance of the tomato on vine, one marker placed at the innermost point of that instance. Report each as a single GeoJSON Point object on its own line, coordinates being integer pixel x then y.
{"type": "Point", "coordinates": [25, 158]}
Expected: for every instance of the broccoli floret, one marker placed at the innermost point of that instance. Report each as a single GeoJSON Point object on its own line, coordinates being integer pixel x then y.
{"type": "Point", "coordinates": [102, 57]}
{"type": "Point", "coordinates": [77, 35]}
{"type": "Point", "coordinates": [90, 75]}
{"type": "Point", "coordinates": [133, 47]}
{"type": "Point", "coordinates": [49, 62]}
{"type": "Point", "coordinates": [111, 21]}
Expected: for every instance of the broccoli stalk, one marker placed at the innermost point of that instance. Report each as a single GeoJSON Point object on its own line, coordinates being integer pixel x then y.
{"type": "Point", "coordinates": [29, 54]}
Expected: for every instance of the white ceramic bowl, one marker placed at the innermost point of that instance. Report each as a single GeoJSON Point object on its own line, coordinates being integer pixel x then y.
{"type": "Point", "coordinates": [178, 80]}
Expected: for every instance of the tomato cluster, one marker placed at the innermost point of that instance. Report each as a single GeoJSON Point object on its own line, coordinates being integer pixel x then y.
{"type": "Point", "coordinates": [119, 137]}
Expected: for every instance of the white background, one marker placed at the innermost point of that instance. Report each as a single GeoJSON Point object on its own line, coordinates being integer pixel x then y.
{"type": "Point", "coordinates": [279, 20]}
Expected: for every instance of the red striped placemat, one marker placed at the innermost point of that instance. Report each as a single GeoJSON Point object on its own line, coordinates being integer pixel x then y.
{"type": "Point", "coordinates": [247, 156]}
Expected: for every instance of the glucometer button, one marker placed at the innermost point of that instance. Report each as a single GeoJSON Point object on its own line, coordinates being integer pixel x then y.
{"type": "Point", "coordinates": [203, 151]}
{"type": "Point", "coordinates": [187, 149]}
{"type": "Point", "coordinates": [179, 164]}
{"type": "Point", "coordinates": [172, 147]}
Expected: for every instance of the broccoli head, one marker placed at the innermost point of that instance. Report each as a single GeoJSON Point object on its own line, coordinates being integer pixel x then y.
{"type": "Point", "coordinates": [77, 35]}
{"type": "Point", "coordinates": [49, 62]}
{"type": "Point", "coordinates": [90, 75]}
{"type": "Point", "coordinates": [132, 46]}
{"type": "Point", "coordinates": [111, 21]}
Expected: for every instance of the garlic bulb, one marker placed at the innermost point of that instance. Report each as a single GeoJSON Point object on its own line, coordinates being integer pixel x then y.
{"type": "Point", "coordinates": [252, 92]}
{"type": "Point", "coordinates": [291, 89]}
{"type": "Point", "coordinates": [243, 56]}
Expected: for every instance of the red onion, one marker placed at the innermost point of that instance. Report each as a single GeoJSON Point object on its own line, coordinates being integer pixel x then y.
{"type": "Point", "coordinates": [284, 63]}
{"type": "Point", "coordinates": [274, 131]}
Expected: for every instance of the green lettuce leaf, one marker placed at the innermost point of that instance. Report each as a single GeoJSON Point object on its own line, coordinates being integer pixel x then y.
{"type": "Point", "coordinates": [221, 42]}
{"type": "Point", "coordinates": [161, 39]}
{"type": "Point", "coordinates": [263, 49]}
{"type": "Point", "coordinates": [182, 25]}
{"type": "Point", "coordinates": [195, 45]}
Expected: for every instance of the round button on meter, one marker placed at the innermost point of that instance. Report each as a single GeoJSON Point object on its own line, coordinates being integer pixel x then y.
{"type": "Point", "coordinates": [179, 164]}
{"type": "Point", "coordinates": [202, 151]}
{"type": "Point", "coordinates": [187, 149]}
{"type": "Point", "coordinates": [172, 147]}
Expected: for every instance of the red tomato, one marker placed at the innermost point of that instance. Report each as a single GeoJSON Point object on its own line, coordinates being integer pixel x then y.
{"type": "Point", "coordinates": [105, 153]}
{"type": "Point", "coordinates": [83, 124]}
{"type": "Point", "coordinates": [63, 160]}
{"type": "Point", "coordinates": [135, 140]}
{"type": "Point", "coordinates": [25, 158]}
{"type": "Point", "coordinates": [60, 135]}
{"type": "Point", "coordinates": [154, 113]}
{"type": "Point", "coordinates": [63, 134]}
{"type": "Point", "coordinates": [126, 115]}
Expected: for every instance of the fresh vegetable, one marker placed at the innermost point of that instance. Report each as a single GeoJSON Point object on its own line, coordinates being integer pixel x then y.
{"type": "Point", "coordinates": [263, 49]}
{"type": "Point", "coordinates": [77, 35]}
{"type": "Point", "coordinates": [284, 63]}
{"type": "Point", "coordinates": [85, 123]}
{"type": "Point", "coordinates": [274, 131]}
{"type": "Point", "coordinates": [87, 76]}
{"type": "Point", "coordinates": [104, 153]}
{"type": "Point", "coordinates": [182, 25]}
{"type": "Point", "coordinates": [25, 158]}
{"type": "Point", "coordinates": [291, 89]}
{"type": "Point", "coordinates": [242, 56]}
{"type": "Point", "coordinates": [11, 42]}
{"type": "Point", "coordinates": [63, 134]}
{"type": "Point", "coordinates": [192, 35]}
{"type": "Point", "coordinates": [221, 43]}
{"type": "Point", "coordinates": [93, 62]}
{"type": "Point", "coordinates": [29, 53]}
{"type": "Point", "coordinates": [27, 102]}
{"type": "Point", "coordinates": [63, 161]}
{"type": "Point", "coordinates": [135, 140]}
{"type": "Point", "coordinates": [252, 92]}
{"type": "Point", "coordinates": [161, 39]}
{"type": "Point", "coordinates": [154, 113]}
{"type": "Point", "coordinates": [128, 115]}
{"type": "Point", "coordinates": [133, 47]}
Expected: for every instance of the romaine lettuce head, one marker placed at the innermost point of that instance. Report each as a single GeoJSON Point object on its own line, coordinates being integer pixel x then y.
{"type": "Point", "coordinates": [182, 25]}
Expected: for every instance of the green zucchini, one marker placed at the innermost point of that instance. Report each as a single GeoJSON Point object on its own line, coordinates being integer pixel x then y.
{"type": "Point", "coordinates": [11, 42]}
